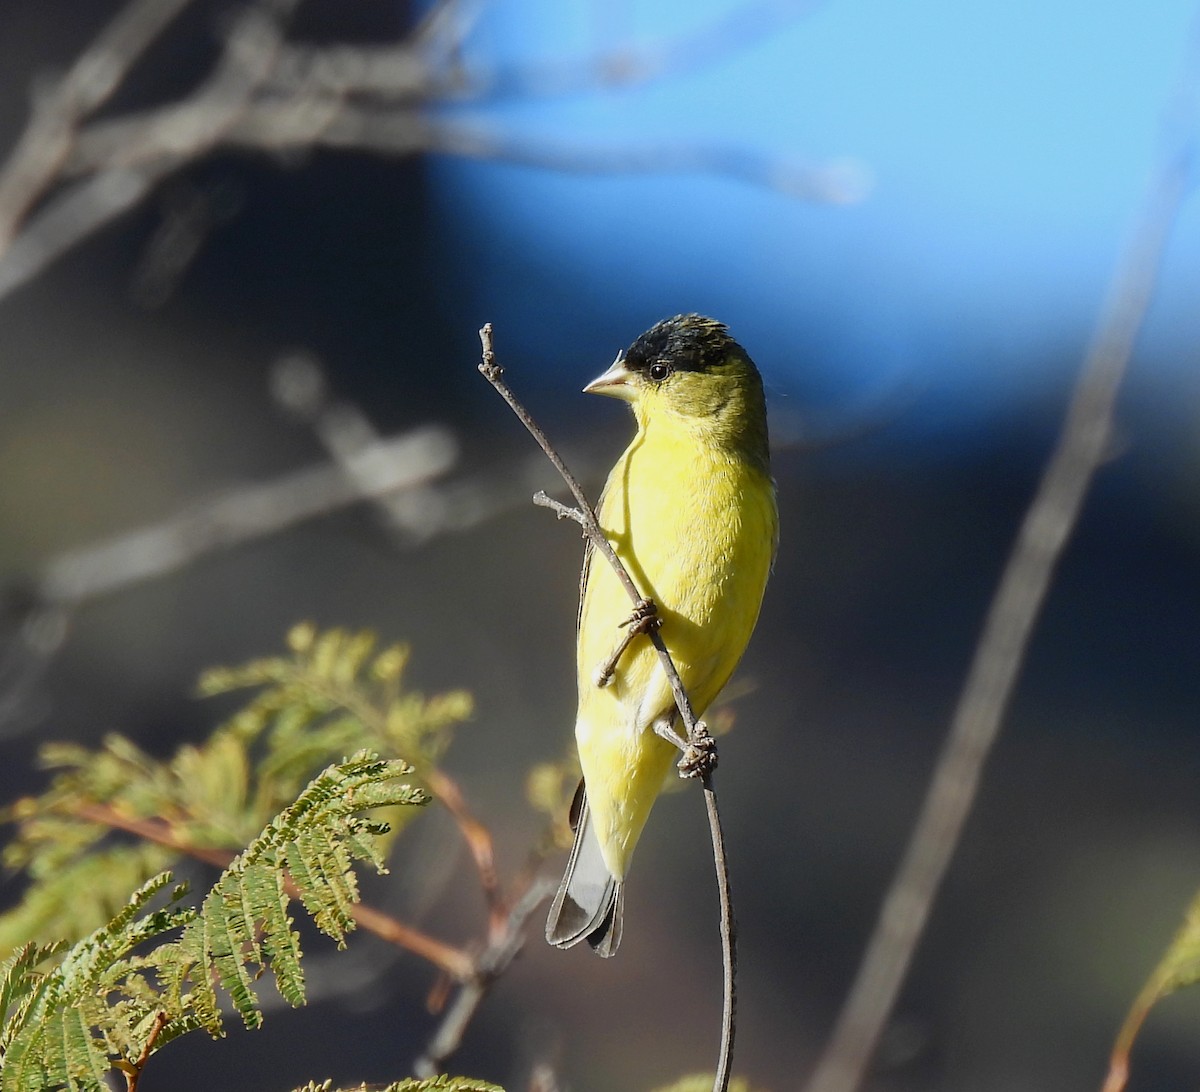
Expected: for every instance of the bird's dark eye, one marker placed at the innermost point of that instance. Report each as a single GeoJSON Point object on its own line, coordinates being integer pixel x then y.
{"type": "Point", "coordinates": [659, 372]}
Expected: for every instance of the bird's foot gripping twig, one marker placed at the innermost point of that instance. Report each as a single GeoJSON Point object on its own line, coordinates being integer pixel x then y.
{"type": "Point", "coordinates": [643, 619]}
{"type": "Point", "coordinates": [699, 748]}
{"type": "Point", "coordinates": [643, 616]}
{"type": "Point", "coordinates": [700, 755]}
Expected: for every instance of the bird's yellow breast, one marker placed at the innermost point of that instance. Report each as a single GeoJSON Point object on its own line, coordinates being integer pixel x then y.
{"type": "Point", "coordinates": [696, 525]}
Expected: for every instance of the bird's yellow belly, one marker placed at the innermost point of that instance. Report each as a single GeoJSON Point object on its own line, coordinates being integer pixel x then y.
{"type": "Point", "coordinates": [697, 535]}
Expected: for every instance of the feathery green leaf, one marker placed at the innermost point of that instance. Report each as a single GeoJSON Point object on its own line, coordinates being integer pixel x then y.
{"type": "Point", "coordinates": [335, 693]}
{"type": "Point", "coordinates": [441, 1083]}
{"type": "Point", "coordinates": [102, 1004]}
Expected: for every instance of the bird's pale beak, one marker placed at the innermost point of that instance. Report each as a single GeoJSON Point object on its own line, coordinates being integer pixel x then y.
{"type": "Point", "coordinates": [617, 382]}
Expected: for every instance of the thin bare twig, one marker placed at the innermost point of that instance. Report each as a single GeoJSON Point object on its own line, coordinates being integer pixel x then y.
{"type": "Point", "coordinates": [700, 753]}
{"type": "Point", "coordinates": [477, 836]}
{"type": "Point", "coordinates": [244, 514]}
{"type": "Point", "coordinates": [508, 915]}
{"type": "Point", "coordinates": [490, 964]}
{"type": "Point", "coordinates": [1051, 517]}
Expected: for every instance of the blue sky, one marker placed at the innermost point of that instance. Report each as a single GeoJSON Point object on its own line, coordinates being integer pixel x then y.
{"type": "Point", "coordinates": [1007, 147]}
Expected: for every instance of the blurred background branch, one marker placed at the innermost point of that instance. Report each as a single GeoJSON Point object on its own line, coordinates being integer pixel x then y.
{"type": "Point", "coordinates": [267, 95]}
{"type": "Point", "coordinates": [59, 109]}
{"type": "Point", "coordinates": [1083, 445]}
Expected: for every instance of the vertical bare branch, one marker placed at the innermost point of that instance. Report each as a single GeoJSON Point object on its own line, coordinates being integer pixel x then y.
{"type": "Point", "coordinates": [998, 657]}
{"type": "Point", "coordinates": [699, 749]}
{"type": "Point", "coordinates": [489, 965]}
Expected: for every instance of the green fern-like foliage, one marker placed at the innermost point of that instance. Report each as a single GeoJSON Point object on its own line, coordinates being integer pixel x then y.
{"type": "Point", "coordinates": [332, 694]}
{"type": "Point", "coordinates": [336, 691]}
{"type": "Point", "coordinates": [62, 1027]}
{"type": "Point", "coordinates": [67, 1018]}
{"type": "Point", "coordinates": [549, 789]}
{"type": "Point", "coordinates": [70, 902]}
{"type": "Point", "coordinates": [244, 927]}
{"type": "Point", "coordinates": [436, 1084]}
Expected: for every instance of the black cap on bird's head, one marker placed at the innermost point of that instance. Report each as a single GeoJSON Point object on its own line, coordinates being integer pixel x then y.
{"type": "Point", "coordinates": [685, 343]}
{"type": "Point", "coordinates": [689, 367]}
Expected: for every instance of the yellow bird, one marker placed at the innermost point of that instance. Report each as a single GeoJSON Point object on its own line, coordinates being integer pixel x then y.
{"type": "Point", "coordinates": [690, 509]}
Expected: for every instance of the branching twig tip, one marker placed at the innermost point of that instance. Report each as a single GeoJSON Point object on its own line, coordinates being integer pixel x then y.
{"type": "Point", "coordinates": [560, 510]}
{"type": "Point", "coordinates": [491, 370]}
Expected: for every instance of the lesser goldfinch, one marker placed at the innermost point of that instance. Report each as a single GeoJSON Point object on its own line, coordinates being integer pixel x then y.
{"type": "Point", "coordinates": [690, 509]}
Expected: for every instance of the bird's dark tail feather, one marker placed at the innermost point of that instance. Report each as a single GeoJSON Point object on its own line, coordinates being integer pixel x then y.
{"type": "Point", "coordinates": [590, 901]}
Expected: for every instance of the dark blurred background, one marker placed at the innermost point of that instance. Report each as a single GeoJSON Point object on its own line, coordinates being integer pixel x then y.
{"type": "Point", "coordinates": [918, 335]}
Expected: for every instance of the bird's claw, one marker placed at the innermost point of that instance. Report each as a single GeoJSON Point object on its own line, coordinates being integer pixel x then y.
{"type": "Point", "coordinates": [643, 618]}
{"type": "Point", "coordinates": [700, 755]}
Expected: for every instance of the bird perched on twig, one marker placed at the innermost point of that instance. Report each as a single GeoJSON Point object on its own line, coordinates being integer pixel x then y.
{"type": "Point", "coordinates": [690, 510]}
